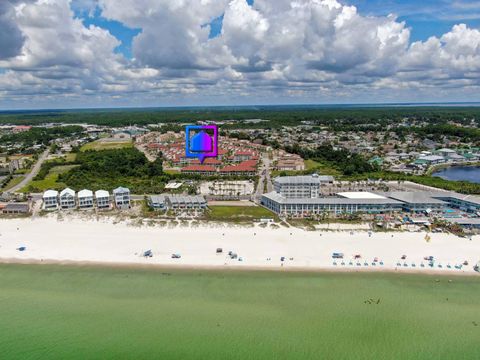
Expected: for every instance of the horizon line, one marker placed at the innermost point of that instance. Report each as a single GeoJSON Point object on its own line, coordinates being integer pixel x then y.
{"type": "Point", "coordinates": [293, 105]}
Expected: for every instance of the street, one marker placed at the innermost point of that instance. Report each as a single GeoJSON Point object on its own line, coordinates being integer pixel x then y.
{"type": "Point", "coordinates": [29, 177]}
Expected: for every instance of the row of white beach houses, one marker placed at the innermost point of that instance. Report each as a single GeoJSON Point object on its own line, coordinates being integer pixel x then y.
{"type": "Point", "coordinates": [86, 199]}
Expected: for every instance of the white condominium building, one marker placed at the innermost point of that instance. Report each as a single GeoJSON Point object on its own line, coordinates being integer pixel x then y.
{"type": "Point", "coordinates": [50, 200]}
{"type": "Point", "coordinates": [67, 199]}
{"type": "Point", "coordinates": [103, 199]}
{"type": "Point", "coordinates": [121, 196]}
{"type": "Point", "coordinates": [300, 187]}
{"type": "Point", "coordinates": [85, 199]}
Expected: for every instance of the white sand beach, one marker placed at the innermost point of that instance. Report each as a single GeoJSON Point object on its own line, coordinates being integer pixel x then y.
{"type": "Point", "coordinates": [75, 240]}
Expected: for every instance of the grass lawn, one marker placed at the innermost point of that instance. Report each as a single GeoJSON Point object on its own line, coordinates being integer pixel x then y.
{"type": "Point", "coordinates": [323, 169]}
{"type": "Point", "coordinates": [310, 166]}
{"type": "Point", "coordinates": [106, 145]}
{"type": "Point", "coordinates": [238, 213]}
{"type": "Point", "coordinates": [61, 169]}
{"type": "Point", "coordinates": [70, 157]}
{"type": "Point", "coordinates": [54, 312]}
{"type": "Point", "coordinates": [50, 181]}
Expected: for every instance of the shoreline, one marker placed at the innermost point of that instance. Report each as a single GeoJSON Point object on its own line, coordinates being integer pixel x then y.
{"type": "Point", "coordinates": [436, 168]}
{"type": "Point", "coordinates": [105, 242]}
{"type": "Point", "coordinates": [234, 268]}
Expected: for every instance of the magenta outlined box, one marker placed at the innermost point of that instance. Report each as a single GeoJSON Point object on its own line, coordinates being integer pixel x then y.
{"type": "Point", "coordinates": [201, 145]}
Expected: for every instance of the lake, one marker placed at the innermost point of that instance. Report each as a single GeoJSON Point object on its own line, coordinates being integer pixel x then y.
{"type": "Point", "coordinates": [460, 173]}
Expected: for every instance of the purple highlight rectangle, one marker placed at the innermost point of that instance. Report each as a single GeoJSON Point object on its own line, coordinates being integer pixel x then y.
{"type": "Point", "coordinates": [202, 144]}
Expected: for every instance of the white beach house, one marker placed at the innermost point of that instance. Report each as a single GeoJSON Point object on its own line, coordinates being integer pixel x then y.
{"type": "Point", "coordinates": [50, 200]}
{"type": "Point", "coordinates": [121, 196]}
{"type": "Point", "coordinates": [67, 199]}
{"type": "Point", "coordinates": [85, 199]}
{"type": "Point", "coordinates": [103, 199]}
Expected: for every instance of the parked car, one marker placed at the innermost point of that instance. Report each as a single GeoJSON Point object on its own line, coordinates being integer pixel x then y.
{"type": "Point", "coordinates": [148, 253]}
{"type": "Point", "coordinates": [219, 250]}
{"type": "Point", "coordinates": [336, 255]}
{"type": "Point", "coordinates": [176, 256]}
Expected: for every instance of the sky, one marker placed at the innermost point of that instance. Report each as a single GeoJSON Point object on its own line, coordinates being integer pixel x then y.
{"type": "Point", "coordinates": [135, 53]}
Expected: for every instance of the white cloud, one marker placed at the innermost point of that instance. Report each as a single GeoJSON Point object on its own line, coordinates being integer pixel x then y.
{"type": "Point", "coordinates": [11, 39]}
{"type": "Point", "coordinates": [305, 50]}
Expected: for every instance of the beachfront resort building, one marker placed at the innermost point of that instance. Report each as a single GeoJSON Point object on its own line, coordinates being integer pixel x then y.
{"type": "Point", "coordinates": [67, 199]}
{"type": "Point", "coordinates": [121, 197]}
{"type": "Point", "coordinates": [291, 199]}
{"type": "Point", "coordinates": [304, 207]}
{"type": "Point", "coordinates": [85, 199]}
{"type": "Point", "coordinates": [50, 200]}
{"type": "Point", "coordinates": [103, 199]}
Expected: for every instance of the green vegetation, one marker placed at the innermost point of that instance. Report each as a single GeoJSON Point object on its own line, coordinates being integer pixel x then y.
{"type": "Point", "coordinates": [13, 181]}
{"type": "Point", "coordinates": [342, 160]}
{"type": "Point", "coordinates": [40, 135]}
{"type": "Point", "coordinates": [120, 313]}
{"type": "Point", "coordinates": [50, 181]}
{"type": "Point", "coordinates": [106, 145]}
{"type": "Point", "coordinates": [108, 169]}
{"type": "Point", "coordinates": [312, 164]}
{"type": "Point", "coordinates": [336, 118]}
{"type": "Point", "coordinates": [463, 187]}
{"type": "Point", "coordinates": [238, 213]}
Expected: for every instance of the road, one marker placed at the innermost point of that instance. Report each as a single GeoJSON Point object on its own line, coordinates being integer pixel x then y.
{"type": "Point", "coordinates": [29, 177]}
{"type": "Point", "coordinates": [264, 177]}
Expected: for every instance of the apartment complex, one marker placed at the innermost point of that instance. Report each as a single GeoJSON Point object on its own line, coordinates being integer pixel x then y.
{"type": "Point", "coordinates": [177, 202]}
{"type": "Point", "coordinates": [300, 187]}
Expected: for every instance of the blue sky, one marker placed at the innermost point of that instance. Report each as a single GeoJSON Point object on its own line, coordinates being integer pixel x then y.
{"type": "Point", "coordinates": [425, 18]}
{"type": "Point", "coordinates": [123, 33]}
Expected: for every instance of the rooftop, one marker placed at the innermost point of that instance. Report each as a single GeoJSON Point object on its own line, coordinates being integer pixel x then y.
{"type": "Point", "coordinates": [330, 200]}
{"type": "Point", "coordinates": [417, 197]}
{"type": "Point", "coordinates": [50, 193]}
{"type": "Point", "coordinates": [85, 193]}
{"type": "Point", "coordinates": [67, 191]}
{"type": "Point", "coordinates": [101, 193]}
{"type": "Point", "coordinates": [306, 179]}
{"type": "Point", "coordinates": [360, 195]}
{"type": "Point", "coordinates": [120, 190]}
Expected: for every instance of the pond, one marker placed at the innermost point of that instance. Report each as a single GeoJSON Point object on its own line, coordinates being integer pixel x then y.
{"type": "Point", "coordinates": [460, 173]}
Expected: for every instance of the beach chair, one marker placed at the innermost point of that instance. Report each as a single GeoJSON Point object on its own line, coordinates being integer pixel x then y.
{"type": "Point", "coordinates": [365, 264]}
{"type": "Point", "coordinates": [405, 265]}
{"type": "Point", "coordinates": [342, 263]}
{"type": "Point", "coordinates": [358, 264]}
{"type": "Point", "coordinates": [374, 264]}
{"type": "Point", "coordinates": [414, 265]}
{"type": "Point", "coordinates": [350, 263]}
{"type": "Point", "coordinates": [449, 266]}
{"type": "Point", "coordinates": [398, 264]}
{"type": "Point", "coordinates": [440, 266]}
{"type": "Point", "coordinates": [335, 263]}
{"type": "Point", "coordinates": [381, 263]}
{"type": "Point", "coordinates": [422, 265]}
